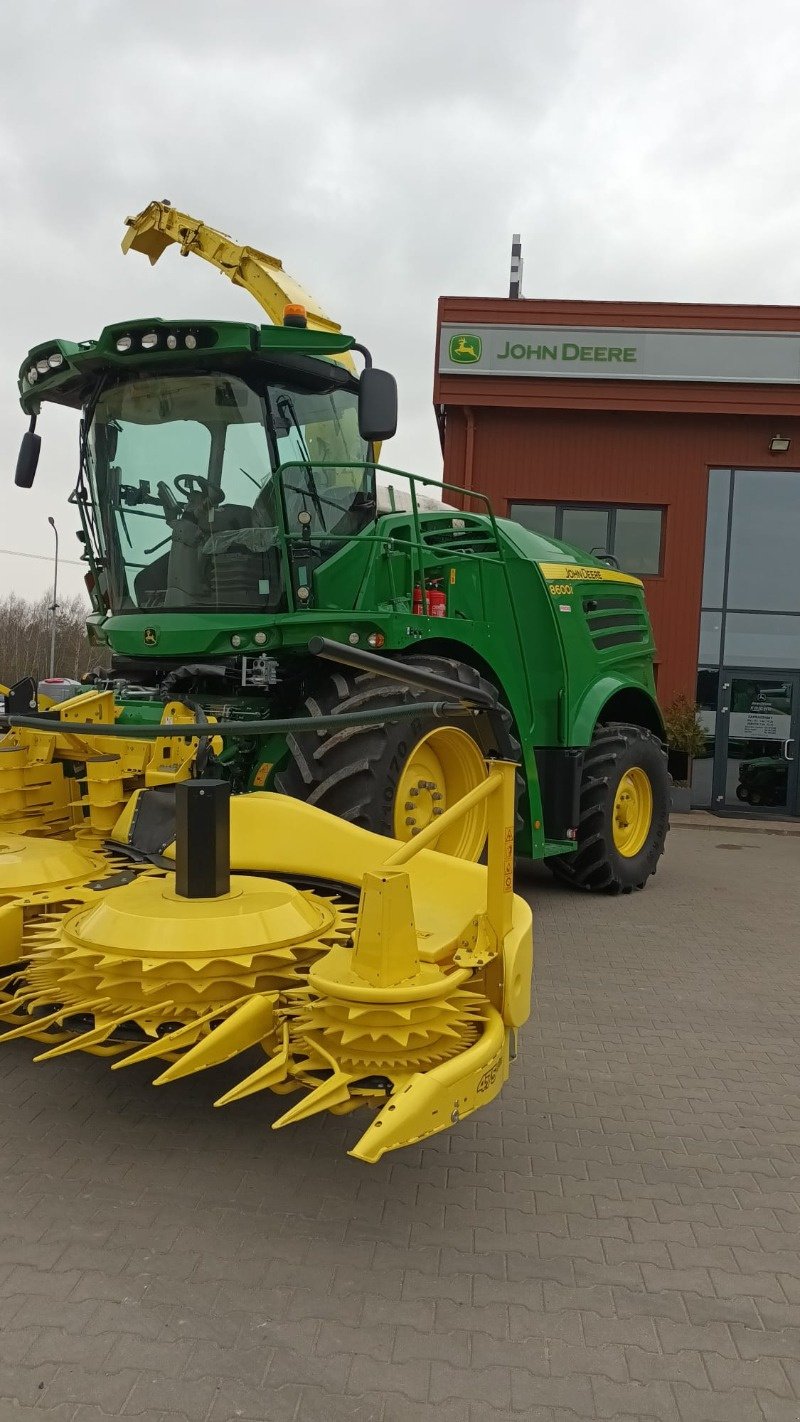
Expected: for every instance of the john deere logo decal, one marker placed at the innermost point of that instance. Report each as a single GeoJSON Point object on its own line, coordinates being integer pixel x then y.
{"type": "Point", "coordinates": [465, 349]}
{"type": "Point", "coordinates": [150, 636]}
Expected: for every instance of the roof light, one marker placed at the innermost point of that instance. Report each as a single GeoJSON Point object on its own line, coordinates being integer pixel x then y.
{"type": "Point", "coordinates": [42, 366]}
{"type": "Point", "coordinates": [236, 640]}
{"type": "Point", "coordinates": [172, 342]}
{"type": "Point", "coordinates": [32, 376]}
{"type": "Point", "coordinates": [55, 360]}
{"type": "Point", "coordinates": [294, 315]}
{"type": "Point", "coordinates": [190, 341]}
{"type": "Point", "coordinates": [124, 343]}
{"type": "Point", "coordinates": [150, 341]}
{"type": "Point", "coordinates": [260, 638]}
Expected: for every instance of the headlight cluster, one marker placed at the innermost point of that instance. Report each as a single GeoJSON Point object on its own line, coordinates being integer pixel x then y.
{"type": "Point", "coordinates": [44, 365]}
{"type": "Point", "coordinates": [156, 340]}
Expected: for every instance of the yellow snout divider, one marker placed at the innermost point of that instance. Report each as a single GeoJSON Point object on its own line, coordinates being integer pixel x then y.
{"type": "Point", "coordinates": [361, 971]}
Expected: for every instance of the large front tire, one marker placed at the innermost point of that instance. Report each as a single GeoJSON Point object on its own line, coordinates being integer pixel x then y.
{"type": "Point", "coordinates": [394, 778]}
{"type": "Point", "coordinates": [624, 813]}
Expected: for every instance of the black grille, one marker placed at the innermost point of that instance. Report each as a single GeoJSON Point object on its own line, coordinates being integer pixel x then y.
{"type": "Point", "coordinates": [616, 620]}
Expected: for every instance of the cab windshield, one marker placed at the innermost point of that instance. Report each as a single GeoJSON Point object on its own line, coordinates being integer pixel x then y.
{"type": "Point", "coordinates": [183, 499]}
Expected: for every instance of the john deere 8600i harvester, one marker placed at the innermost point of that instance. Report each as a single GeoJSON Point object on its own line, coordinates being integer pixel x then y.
{"type": "Point", "coordinates": [280, 622]}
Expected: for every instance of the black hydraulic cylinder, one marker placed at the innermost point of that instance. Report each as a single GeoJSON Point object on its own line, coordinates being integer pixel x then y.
{"type": "Point", "coordinates": [202, 839]}
{"type": "Point", "coordinates": [407, 672]}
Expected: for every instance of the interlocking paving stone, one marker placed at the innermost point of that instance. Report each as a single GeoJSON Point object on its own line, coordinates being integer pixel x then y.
{"type": "Point", "coordinates": [617, 1236]}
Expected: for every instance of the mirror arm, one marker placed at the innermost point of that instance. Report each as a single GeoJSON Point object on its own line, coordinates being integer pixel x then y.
{"type": "Point", "coordinates": [364, 352]}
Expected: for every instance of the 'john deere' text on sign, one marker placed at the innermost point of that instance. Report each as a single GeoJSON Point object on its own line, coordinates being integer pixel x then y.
{"type": "Point", "coordinates": [568, 350]}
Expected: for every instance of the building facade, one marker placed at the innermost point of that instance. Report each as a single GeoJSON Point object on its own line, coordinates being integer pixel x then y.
{"type": "Point", "coordinates": [668, 437]}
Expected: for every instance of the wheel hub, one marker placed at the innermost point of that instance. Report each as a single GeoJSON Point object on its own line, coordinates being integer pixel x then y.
{"type": "Point", "coordinates": [633, 812]}
{"type": "Point", "coordinates": [441, 768]}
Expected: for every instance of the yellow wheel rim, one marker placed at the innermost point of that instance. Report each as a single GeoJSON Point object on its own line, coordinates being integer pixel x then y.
{"type": "Point", "coordinates": [442, 767]}
{"type": "Point", "coordinates": [633, 812]}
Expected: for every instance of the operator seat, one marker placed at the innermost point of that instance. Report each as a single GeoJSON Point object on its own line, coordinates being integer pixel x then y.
{"type": "Point", "coordinates": [241, 561]}
{"type": "Point", "coordinates": [186, 586]}
{"type": "Point", "coordinates": [150, 583]}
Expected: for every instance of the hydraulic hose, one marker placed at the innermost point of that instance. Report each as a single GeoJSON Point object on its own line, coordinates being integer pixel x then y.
{"type": "Point", "coordinates": [407, 672]}
{"type": "Point", "coordinates": [125, 730]}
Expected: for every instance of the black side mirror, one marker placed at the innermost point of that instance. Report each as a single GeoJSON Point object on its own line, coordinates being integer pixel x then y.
{"type": "Point", "coordinates": [377, 405]}
{"type": "Point", "coordinates": [27, 459]}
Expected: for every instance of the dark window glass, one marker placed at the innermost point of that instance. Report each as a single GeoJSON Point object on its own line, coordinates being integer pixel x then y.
{"type": "Point", "coordinates": [764, 567]}
{"type": "Point", "coordinates": [719, 483]}
{"type": "Point", "coordinates": [586, 528]}
{"type": "Point", "coordinates": [762, 639]}
{"type": "Point", "coordinates": [637, 540]}
{"type": "Point", "coordinates": [540, 518]}
{"type": "Point", "coordinates": [631, 535]}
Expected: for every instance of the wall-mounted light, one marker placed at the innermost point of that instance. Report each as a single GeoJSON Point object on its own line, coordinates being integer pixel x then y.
{"type": "Point", "coordinates": [779, 444]}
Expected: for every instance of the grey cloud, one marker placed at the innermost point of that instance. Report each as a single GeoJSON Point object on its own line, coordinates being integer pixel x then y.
{"type": "Point", "coordinates": [386, 152]}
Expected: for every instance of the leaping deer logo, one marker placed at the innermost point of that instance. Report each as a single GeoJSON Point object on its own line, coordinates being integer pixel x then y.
{"type": "Point", "coordinates": [465, 349]}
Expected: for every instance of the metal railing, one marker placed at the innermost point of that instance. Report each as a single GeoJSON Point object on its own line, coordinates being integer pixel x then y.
{"type": "Point", "coordinates": [421, 554]}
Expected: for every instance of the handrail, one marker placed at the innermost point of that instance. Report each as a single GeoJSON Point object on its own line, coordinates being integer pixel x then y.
{"type": "Point", "coordinates": [421, 553]}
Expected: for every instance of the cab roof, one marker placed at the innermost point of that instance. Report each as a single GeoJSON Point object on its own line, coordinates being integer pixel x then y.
{"type": "Point", "coordinates": [65, 372]}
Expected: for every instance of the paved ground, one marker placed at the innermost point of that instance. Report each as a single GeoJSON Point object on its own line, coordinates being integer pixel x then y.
{"type": "Point", "coordinates": [617, 1237]}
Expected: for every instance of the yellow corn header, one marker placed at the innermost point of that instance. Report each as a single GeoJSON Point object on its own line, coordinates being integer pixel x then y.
{"type": "Point", "coordinates": [147, 915]}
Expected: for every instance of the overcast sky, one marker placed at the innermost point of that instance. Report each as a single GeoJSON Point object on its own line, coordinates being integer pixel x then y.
{"type": "Point", "coordinates": [386, 152]}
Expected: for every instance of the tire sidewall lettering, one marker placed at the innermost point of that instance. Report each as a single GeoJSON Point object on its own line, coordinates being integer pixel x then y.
{"type": "Point", "coordinates": [393, 770]}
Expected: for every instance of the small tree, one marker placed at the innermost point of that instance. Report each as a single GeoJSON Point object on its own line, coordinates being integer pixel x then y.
{"type": "Point", "coordinates": [685, 738]}
{"type": "Point", "coordinates": [684, 729]}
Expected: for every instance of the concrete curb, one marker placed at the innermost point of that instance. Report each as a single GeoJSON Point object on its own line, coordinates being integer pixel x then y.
{"type": "Point", "coordinates": [703, 820]}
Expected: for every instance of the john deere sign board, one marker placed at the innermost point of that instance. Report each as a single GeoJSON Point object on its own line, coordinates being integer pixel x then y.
{"type": "Point", "coordinates": [620, 354]}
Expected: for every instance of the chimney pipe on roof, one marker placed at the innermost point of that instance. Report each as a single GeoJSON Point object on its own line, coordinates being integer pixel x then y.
{"type": "Point", "coordinates": [515, 283]}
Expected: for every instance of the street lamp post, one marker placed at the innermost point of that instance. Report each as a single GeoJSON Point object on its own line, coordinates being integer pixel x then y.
{"type": "Point", "coordinates": [54, 608]}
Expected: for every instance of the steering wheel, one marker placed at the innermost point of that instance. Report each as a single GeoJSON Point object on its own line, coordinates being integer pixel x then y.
{"type": "Point", "coordinates": [189, 484]}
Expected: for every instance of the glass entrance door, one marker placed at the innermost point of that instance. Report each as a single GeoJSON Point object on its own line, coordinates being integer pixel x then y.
{"type": "Point", "coordinates": [756, 766]}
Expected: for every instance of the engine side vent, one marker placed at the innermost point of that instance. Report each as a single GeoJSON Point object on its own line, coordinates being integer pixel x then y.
{"type": "Point", "coordinates": [616, 620]}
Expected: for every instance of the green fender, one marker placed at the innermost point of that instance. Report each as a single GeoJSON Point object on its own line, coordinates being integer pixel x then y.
{"type": "Point", "coordinates": [637, 707]}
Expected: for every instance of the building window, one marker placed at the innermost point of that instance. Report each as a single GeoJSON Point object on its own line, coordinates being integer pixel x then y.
{"type": "Point", "coordinates": [629, 533]}
{"type": "Point", "coordinates": [751, 577]}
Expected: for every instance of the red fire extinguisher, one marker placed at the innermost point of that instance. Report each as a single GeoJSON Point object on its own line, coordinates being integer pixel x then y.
{"type": "Point", "coordinates": [435, 598]}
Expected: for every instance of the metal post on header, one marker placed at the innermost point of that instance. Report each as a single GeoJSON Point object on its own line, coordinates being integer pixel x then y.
{"type": "Point", "coordinates": [500, 849]}
{"type": "Point", "coordinates": [202, 839]}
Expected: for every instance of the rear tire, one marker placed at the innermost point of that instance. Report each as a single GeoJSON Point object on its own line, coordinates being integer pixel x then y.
{"type": "Point", "coordinates": [609, 860]}
{"type": "Point", "coordinates": [357, 771]}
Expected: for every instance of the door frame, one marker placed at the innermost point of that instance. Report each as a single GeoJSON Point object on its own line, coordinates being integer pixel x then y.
{"type": "Point", "coordinates": [791, 809]}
